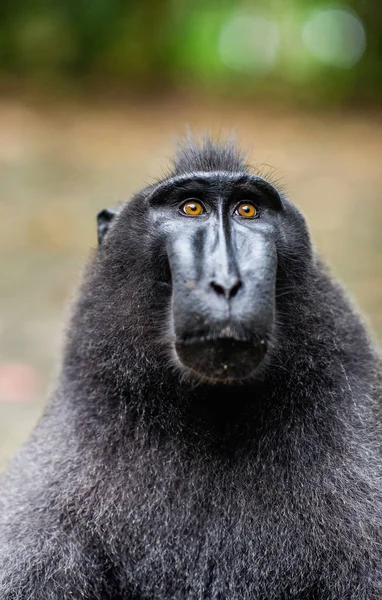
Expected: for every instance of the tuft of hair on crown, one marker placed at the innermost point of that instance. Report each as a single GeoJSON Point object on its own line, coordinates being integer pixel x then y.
{"type": "Point", "coordinates": [209, 155]}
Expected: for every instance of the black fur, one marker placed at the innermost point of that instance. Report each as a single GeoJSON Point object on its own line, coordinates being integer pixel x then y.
{"type": "Point", "coordinates": [209, 156]}
{"type": "Point", "coordinates": [142, 483]}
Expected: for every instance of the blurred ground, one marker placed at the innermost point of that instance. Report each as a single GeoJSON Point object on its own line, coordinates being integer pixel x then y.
{"type": "Point", "coordinates": [60, 165]}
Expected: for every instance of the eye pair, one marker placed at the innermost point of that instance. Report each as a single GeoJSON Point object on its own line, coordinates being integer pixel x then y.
{"type": "Point", "coordinates": [192, 208]}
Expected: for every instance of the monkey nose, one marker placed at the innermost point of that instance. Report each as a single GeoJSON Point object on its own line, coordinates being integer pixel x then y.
{"type": "Point", "coordinates": [227, 288]}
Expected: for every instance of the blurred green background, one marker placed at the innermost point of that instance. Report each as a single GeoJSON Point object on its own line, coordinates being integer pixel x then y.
{"type": "Point", "coordinates": [311, 50]}
{"type": "Point", "coordinates": [93, 95]}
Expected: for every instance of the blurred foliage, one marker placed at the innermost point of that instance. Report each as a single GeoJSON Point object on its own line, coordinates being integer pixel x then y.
{"type": "Point", "coordinates": [165, 44]}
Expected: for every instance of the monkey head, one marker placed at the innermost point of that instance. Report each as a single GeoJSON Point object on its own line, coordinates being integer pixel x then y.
{"type": "Point", "coordinates": [210, 249]}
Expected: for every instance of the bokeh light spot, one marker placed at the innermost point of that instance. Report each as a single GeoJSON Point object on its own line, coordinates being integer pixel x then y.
{"type": "Point", "coordinates": [335, 36]}
{"type": "Point", "coordinates": [249, 43]}
{"type": "Point", "coordinates": [19, 383]}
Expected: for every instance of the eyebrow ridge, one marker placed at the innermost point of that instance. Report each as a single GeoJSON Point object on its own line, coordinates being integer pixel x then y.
{"type": "Point", "coordinates": [202, 176]}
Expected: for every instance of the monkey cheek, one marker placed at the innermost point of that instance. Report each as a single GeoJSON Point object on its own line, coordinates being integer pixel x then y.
{"type": "Point", "coordinates": [221, 360]}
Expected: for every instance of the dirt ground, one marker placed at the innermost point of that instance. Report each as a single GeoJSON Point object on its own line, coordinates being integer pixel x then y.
{"type": "Point", "coordinates": [60, 164]}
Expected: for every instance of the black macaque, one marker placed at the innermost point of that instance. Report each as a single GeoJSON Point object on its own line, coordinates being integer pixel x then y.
{"type": "Point", "coordinates": [216, 429]}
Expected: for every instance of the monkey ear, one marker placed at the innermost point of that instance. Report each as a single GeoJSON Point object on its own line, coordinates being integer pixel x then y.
{"type": "Point", "coordinates": [104, 218]}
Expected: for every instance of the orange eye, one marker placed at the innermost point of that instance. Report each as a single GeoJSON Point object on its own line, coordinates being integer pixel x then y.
{"type": "Point", "coordinates": [192, 208]}
{"type": "Point", "coordinates": [246, 210]}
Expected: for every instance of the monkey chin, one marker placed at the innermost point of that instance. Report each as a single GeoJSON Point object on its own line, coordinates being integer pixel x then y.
{"type": "Point", "coordinates": [223, 360]}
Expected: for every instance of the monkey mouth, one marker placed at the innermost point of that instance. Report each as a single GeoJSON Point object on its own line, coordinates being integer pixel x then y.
{"type": "Point", "coordinates": [221, 359]}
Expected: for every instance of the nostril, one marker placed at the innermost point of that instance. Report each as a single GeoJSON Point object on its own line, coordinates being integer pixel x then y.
{"type": "Point", "coordinates": [218, 288]}
{"type": "Point", "coordinates": [234, 289]}
{"type": "Point", "coordinates": [228, 291]}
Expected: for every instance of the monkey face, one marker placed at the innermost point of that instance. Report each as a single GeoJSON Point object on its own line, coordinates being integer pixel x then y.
{"type": "Point", "coordinates": [218, 234]}
{"type": "Point", "coordinates": [207, 256]}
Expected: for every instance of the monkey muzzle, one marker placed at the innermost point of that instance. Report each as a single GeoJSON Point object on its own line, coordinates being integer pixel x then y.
{"type": "Point", "coordinates": [223, 339]}
{"type": "Point", "coordinates": [223, 302]}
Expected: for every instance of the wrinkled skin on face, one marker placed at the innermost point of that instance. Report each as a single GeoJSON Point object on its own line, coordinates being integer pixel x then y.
{"type": "Point", "coordinates": [221, 237]}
